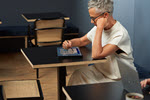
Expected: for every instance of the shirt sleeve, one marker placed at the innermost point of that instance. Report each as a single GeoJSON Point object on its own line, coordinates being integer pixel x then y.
{"type": "Point", "coordinates": [91, 33]}
{"type": "Point", "coordinates": [122, 40]}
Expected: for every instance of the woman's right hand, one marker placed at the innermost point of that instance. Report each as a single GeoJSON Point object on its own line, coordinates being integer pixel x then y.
{"type": "Point", "coordinates": [67, 44]}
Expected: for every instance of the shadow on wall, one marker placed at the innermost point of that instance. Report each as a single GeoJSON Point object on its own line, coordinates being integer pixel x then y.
{"type": "Point", "coordinates": [143, 72]}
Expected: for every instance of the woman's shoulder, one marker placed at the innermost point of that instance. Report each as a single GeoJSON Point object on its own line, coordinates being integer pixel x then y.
{"type": "Point", "coordinates": [120, 31]}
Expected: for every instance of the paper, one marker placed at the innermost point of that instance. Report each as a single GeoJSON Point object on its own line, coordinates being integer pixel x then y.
{"type": "Point", "coordinates": [74, 51]}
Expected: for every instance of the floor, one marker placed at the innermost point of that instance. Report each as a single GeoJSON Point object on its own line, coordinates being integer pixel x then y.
{"type": "Point", "coordinates": [13, 66]}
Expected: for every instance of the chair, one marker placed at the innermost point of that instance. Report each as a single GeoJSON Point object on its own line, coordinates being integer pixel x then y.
{"type": "Point", "coordinates": [48, 32]}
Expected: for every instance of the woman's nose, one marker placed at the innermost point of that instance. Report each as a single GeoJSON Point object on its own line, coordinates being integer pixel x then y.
{"type": "Point", "coordinates": [92, 21]}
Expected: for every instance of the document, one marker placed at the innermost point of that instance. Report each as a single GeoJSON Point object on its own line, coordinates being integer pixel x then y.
{"type": "Point", "coordinates": [74, 51]}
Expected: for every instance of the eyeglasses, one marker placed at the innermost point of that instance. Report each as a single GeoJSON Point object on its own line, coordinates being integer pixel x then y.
{"type": "Point", "coordinates": [93, 18]}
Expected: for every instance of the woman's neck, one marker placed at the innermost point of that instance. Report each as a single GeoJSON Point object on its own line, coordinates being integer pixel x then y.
{"type": "Point", "coordinates": [111, 23]}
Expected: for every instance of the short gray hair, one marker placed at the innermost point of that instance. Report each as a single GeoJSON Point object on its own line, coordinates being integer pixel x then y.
{"type": "Point", "coordinates": [101, 5]}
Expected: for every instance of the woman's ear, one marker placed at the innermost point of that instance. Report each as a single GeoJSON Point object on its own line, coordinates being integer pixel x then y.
{"type": "Point", "coordinates": [106, 15]}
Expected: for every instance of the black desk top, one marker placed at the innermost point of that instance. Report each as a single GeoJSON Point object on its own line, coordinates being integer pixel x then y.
{"type": "Point", "coordinates": [30, 17]}
{"type": "Point", "coordinates": [40, 57]}
{"type": "Point", "coordinates": [101, 91]}
{"type": "Point", "coordinates": [44, 15]}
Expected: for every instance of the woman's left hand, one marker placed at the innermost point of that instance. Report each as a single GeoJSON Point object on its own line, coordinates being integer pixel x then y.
{"type": "Point", "coordinates": [101, 22]}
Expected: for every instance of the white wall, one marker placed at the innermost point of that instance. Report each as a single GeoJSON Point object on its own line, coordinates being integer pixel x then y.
{"type": "Point", "coordinates": [142, 34]}
{"type": "Point", "coordinates": [124, 13]}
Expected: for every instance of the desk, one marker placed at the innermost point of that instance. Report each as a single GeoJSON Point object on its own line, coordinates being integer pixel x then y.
{"type": "Point", "coordinates": [13, 41]}
{"type": "Point", "coordinates": [100, 91]}
{"type": "Point", "coordinates": [31, 17]}
{"type": "Point", "coordinates": [107, 91]}
{"type": "Point", "coordinates": [46, 57]}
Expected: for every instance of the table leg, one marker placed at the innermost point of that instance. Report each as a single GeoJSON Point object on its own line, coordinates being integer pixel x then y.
{"type": "Point", "coordinates": [61, 82]}
{"type": "Point", "coordinates": [29, 36]}
{"type": "Point", "coordinates": [37, 73]}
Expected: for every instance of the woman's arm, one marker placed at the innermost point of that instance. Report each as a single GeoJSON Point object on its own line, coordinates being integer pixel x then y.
{"type": "Point", "coordinates": [97, 50]}
{"type": "Point", "coordinates": [76, 42]}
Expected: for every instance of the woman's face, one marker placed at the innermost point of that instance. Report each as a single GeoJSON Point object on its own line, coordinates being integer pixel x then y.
{"type": "Point", "coordinates": [94, 15]}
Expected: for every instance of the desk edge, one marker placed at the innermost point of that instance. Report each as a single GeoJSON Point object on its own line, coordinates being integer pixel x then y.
{"type": "Point", "coordinates": [14, 36]}
{"type": "Point", "coordinates": [65, 92]}
{"type": "Point", "coordinates": [33, 20]}
{"type": "Point", "coordinates": [28, 20]}
{"type": "Point", "coordinates": [27, 58]}
{"type": "Point", "coordinates": [69, 64]}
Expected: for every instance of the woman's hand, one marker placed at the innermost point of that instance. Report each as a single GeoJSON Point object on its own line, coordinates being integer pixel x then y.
{"type": "Point", "coordinates": [67, 44]}
{"type": "Point", "coordinates": [101, 22]}
{"type": "Point", "coordinates": [144, 83]}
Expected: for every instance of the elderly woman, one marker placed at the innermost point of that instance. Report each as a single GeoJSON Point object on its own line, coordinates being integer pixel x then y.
{"type": "Point", "coordinates": [109, 39]}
